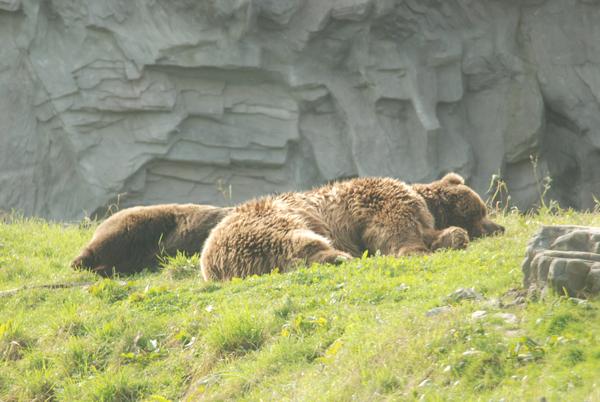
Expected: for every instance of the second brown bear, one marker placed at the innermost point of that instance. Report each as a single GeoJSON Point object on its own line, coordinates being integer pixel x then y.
{"type": "Point", "coordinates": [340, 220]}
{"type": "Point", "coordinates": [135, 238]}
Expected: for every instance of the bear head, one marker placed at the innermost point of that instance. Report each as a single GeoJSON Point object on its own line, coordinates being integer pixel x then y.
{"type": "Point", "coordinates": [452, 203]}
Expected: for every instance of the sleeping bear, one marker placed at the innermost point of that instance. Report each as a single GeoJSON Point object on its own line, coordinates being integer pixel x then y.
{"type": "Point", "coordinates": [135, 238]}
{"type": "Point", "coordinates": [341, 220]}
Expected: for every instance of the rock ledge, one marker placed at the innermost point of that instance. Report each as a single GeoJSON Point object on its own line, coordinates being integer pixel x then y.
{"type": "Point", "coordinates": [565, 259]}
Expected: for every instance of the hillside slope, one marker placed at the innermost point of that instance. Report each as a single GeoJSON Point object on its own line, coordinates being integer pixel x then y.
{"type": "Point", "coordinates": [360, 331]}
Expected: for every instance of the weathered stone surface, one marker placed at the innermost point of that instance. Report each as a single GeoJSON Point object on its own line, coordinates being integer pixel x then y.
{"type": "Point", "coordinates": [137, 102]}
{"type": "Point", "coordinates": [438, 310]}
{"type": "Point", "coordinates": [568, 275]}
{"type": "Point", "coordinates": [461, 294]}
{"type": "Point", "coordinates": [593, 279]}
{"type": "Point", "coordinates": [479, 314]}
{"type": "Point", "coordinates": [508, 318]}
{"type": "Point", "coordinates": [564, 258]}
{"type": "Point", "coordinates": [10, 5]}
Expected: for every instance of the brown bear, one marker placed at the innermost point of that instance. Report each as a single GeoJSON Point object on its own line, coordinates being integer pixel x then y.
{"type": "Point", "coordinates": [340, 220]}
{"type": "Point", "coordinates": [135, 238]}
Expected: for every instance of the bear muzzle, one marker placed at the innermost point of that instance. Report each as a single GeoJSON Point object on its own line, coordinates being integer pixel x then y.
{"type": "Point", "coordinates": [491, 228]}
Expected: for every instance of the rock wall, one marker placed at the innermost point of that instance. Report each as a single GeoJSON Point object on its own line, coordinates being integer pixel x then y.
{"type": "Point", "coordinates": [216, 101]}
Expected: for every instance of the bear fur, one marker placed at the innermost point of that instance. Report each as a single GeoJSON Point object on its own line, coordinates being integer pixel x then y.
{"type": "Point", "coordinates": [135, 238]}
{"type": "Point", "coordinates": [341, 220]}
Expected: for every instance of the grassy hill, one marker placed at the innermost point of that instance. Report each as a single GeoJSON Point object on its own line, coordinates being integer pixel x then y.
{"type": "Point", "coordinates": [354, 332]}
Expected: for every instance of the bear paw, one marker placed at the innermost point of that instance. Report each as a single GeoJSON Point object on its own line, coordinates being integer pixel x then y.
{"type": "Point", "coordinates": [333, 257]}
{"type": "Point", "coordinates": [453, 238]}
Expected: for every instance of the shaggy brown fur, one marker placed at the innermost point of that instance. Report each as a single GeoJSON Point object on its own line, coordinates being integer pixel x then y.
{"type": "Point", "coordinates": [134, 238]}
{"type": "Point", "coordinates": [452, 203]}
{"type": "Point", "coordinates": [341, 220]}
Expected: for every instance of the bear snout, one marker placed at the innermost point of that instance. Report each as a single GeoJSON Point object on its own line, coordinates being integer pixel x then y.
{"type": "Point", "coordinates": [85, 260]}
{"type": "Point", "coordinates": [491, 228]}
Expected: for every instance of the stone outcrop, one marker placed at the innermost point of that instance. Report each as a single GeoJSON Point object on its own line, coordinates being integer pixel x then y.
{"type": "Point", "coordinates": [565, 259]}
{"type": "Point", "coordinates": [141, 102]}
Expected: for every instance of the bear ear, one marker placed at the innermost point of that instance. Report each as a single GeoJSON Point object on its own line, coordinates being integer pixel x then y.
{"type": "Point", "coordinates": [453, 178]}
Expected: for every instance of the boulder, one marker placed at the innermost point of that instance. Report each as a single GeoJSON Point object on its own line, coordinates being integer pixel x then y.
{"type": "Point", "coordinates": [565, 259]}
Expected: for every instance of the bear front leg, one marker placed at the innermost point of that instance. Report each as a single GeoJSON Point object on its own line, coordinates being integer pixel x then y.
{"type": "Point", "coordinates": [330, 256]}
{"type": "Point", "coordinates": [416, 249]}
{"type": "Point", "coordinates": [391, 241]}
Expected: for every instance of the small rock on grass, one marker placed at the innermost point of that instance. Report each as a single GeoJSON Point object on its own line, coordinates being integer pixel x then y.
{"type": "Point", "coordinates": [577, 301]}
{"type": "Point", "coordinates": [402, 287]}
{"type": "Point", "coordinates": [438, 310]}
{"type": "Point", "coordinates": [471, 352]}
{"type": "Point", "coordinates": [426, 382]}
{"type": "Point", "coordinates": [507, 317]}
{"type": "Point", "coordinates": [461, 294]}
{"type": "Point", "coordinates": [479, 314]}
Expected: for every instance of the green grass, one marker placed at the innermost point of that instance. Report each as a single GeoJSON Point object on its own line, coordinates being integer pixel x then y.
{"type": "Point", "coordinates": [353, 332]}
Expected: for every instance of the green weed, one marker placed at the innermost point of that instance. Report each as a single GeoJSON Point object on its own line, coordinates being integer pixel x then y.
{"type": "Point", "coordinates": [236, 332]}
{"type": "Point", "coordinates": [181, 266]}
{"type": "Point", "coordinates": [109, 290]}
{"type": "Point", "coordinates": [13, 340]}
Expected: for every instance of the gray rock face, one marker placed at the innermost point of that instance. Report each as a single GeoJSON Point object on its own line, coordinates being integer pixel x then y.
{"type": "Point", "coordinates": [141, 102]}
{"type": "Point", "coordinates": [565, 259]}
